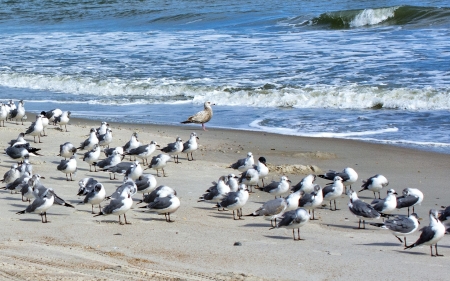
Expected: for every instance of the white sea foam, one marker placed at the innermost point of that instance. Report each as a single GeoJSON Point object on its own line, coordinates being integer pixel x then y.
{"type": "Point", "coordinates": [373, 16]}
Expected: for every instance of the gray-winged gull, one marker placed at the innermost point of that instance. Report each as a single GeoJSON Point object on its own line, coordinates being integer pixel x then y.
{"type": "Point", "coordinates": [401, 225]}
{"type": "Point", "coordinates": [235, 201]}
{"type": "Point", "coordinates": [277, 188]}
{"type": "Point", "coordinates": [244, 164]}
{"type": "Point", "coordinates": [361, 209]}
{"type": "Point", "coordinates": [95, 196]}
{"type": "Point", "coordinates": [306, 184]}
{"type": "Point", "coordinates": [348, 175]}
{"type": "Point", "coordinates": [89, 143]}
{"type": "Point", "coordinates": [67, 150]}
{"type": "Point", "coordinates": [91, 157]}
{"type": "Point", "coordinates": [35, 129]}
{"type": "Point", "coordinates": [375, 184]}
{"type": "Point", "coordinates": [164, 205]}
{"type": "Point", "coordinates": [191, 145]}
{"type": "Point", "coordinates": [271, 210]}
{"type": "Point", "coordinates": [68, 167]}
{"type": "Point", "coordinates": [410, 198]}
{"type": "Point", "coordinates": [144, 151]}
{"type": "Point", "coordinates": [311, 201]}
{"type": "Point", "coordinates": [332, 191]}
{"type": "Point", "coordinates": [294, 219]}
{"type": "Point", "coordinates": [174, 149]}
{"type": "Point", "coordinates": [387, 205]}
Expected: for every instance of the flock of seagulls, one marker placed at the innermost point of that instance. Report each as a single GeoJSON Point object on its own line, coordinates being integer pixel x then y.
{"type": "Point", "coordinates": [293, 206]}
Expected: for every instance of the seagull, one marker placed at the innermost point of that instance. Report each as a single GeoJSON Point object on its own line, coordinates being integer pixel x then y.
{"type": "Point", "coordinates": [11, 175]}
{"type": "Point", "coordinates": [361, 209]}
{"type": "Point", "coordinates": [135, 171]}
{"type": "Point", "coordinates": [109, 162]}
{"type": "Point", "coordinates": [235, 201]}
{"type": "Point", "coordinates": [95, 196]}
{"type": "Point", "coordinates": [410, 198]}
{"type": "Point", "coordinates": [146, 183]}
{"type": "Point", "coordinates": [109, 151]}
{"type": "Point", "coordinates": [144, 151]}
{"type": "Point", "coordinates": [159, 162]}
{"type": "Point", "coordinates": [63, 119]}
{"type": "Point", "coordinates": [164, 205]}
{"type": "Point", "coordinates": [311, 201]}
{"type": "Point", "coordinates": [27, 189]}
{"type": "Point", "coordinates": [3, 114]}
{"type": "Point", "coordinates": [306, 184]}
{"type": "Point", "coordinates": [86, 185]}
{"type": "Point", "coordinates": [271, 210]}
{"type": "Point", "coordinates": [121, 169]}
{"type": "Point", "coordinates": [375, 184]}
{"type": "Point", "coordinates": [232, 182]}
{"type": "Point", "coordinates": [16, 184]}
{"type": "Point", "coordinates": [216, 193]}
{"type": "Point", "coordinates": [387, 205]}
{"type": "Point", "coordinates": [132, 143]}
{"type": "Point", "coordinates": [174, 149]}
{"type": "Point", "coordinates": [90, 141]}
{"type": "Point", "coordinates": [67, 150]}
{"type": "Point", "coordinates": [45, 123]}
{"type": "Point", "coordinates": [250, 178]}
{"type": "Point", "coordinates": [292, 200]}
{"type": "Point", "coordinates": [21, 151]}
{"type": "Point", "coordinates": [348, 175]}
{"type": "Point", "coordinates": [294, 219]}
{"type": "Point", "coordinates": [431, 234]}
{"type": "Point", "coordinates": [444, 215]}
{"type": "Point", "coordinates": [92, 156]}
{"type": "Point", "coordinates": [261, 168]}
{"type": "Point", "coordinates": [35, 128]}
{"type": "Point", "coordinates": [160, 191]}
{"type": "Point", "coordinates": [401, 225]}
{"type": "Point", "coordinates": [128, 185]}
{"type": "Point", "coordinates": [190, 146]}
{"type": "Point", "coordinates": [102, 129]}
{"type": "Point", "coordinates": [68, 167]}
{"type": "Point", "coordinates": [277, 188]}
{"type": "Point", "coordinates": [201, 117]}
{"type": "Point", "coordinates": [40, 205]}
{"type": "Point", "coordinates": [26, 166]}
{"type": "Point", "coordinates": [18, 113]}
{"type": "Point", "coordinates": [52, 114]}
{"type": "Point", "coordinates": [118, 206]}
{"type": "Point", "coordinates": [243, 165]}
{"type": "Point", "coordinates": [332, 191]}
{"type": "Point", "coordinates": [106, 138]}
{"type": "Point", "coordinates": [20, 140]}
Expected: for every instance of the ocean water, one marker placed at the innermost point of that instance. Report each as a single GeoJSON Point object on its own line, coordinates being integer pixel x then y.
{"type": "Point", "coordinates": [376, 71]}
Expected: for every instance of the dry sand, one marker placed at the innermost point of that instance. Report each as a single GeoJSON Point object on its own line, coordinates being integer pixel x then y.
{"type": "Point", "coordinates": [199, 244]}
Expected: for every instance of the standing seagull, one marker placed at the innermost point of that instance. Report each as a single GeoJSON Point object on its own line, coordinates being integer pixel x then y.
{"type": "Point", "coordinates": [12, 174]}
{"type": "Point", "coordinates": [191, 145]}
{"type": "Point", "coordinates": [118, 206]}
{"type": "Point", "coordinates": [35, 128]}
{"type": "Point", "coordinates": [132, 143]}
{"type": "Point", "coordinates": [262, 169]}
{"type": "Point", "coordinates": [243, 165]}
{"type": "Point", "coordinates": [18, 113]}
{"type": "Point", "coordinates": [348, 175]}
{"type": "Point", "coordinates": [401, 225]}
{"type": "Point", "coordinates": [444, 215]}
{"type": "Point", "coordinates": [201, 117]}
{"type": "Point", "coordinates": [95, 196]}
{"type": "Point", "coordinates": [277, 188]}
{"type": "Point", "coordinates": [91, 157]}
{"type": "Point", "coordinates": [45, 123]}
{"type": "Point", "coordinates": [3, 114]}
{"type": "Point", "coordinates": [235, 201]}
{"type": "Point", "coordinates": [68, 167]}
{"type": "Point", "coordinates": [306, 184]}
{"type": "Point", "coordinates": [294, 219]}
{"type": "Point", "coordinates": [387, 205]}
{"type": "Point", "coordinates": [63, 119]}
{"type": "Point", "coordinates": [89, 143]}
{"type": "Point", "coordinates": [311, 201]}
{"type": "Point", "coordinates": [410, 198]}
{"type": "Point", "coordinates": [144, 151]}
{"type": "Point", "coordinates": [159, 162]}
{"type": "Point", "coordinates": [217, 192]}
{"type": "Point", "coordinates": [375, 184]}
{"type": "Point", "coordinates": [40, 205]}
{"type": "Point", "coordinates": [333, 191]}
{"type": "Point", "coordinates": [146, 184]}
{"type": "Point", "coordinates": [174, 149]}
{"type": "Point", "coordinates": [67, 150]}
{"type": "Point", "coordinates": [106, 138]}
{"type": "Point", "coordinates": [361, 209]}
{"type": "Point", "coordinates": [250, 178]}
{"type": "Point", "coordinates": [52, 114]}
{"type": "Point", "coordinates": [165, 205]}
{"type": "Point", "coordinates": [271, 210]}
{"type": "Point", "coordinates": [431, 234]}
{"type": "Point", "coordinates": [102, 129]}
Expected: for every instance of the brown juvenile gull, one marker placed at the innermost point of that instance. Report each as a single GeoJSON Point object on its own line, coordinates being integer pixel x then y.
{"type": "Point", "coordinates": [201, 117]}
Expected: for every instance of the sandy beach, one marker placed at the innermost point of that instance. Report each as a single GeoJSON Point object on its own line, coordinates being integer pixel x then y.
{"type": "Point", "coordinates": [199, 245]}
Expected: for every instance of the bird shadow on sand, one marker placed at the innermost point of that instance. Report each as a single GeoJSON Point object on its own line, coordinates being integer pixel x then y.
{"type": "Point", "coordinates": [278, 237]}
{"type": "Point", "coordinates": [222, 217]}
{"type": "Point", "coordinates": [427, 253]}
{"type": "Point", "coordinates": [35, 220]}
{"type": "Point", "coordinates": [343, 226]}
{"type": "Point", "coordinates": [153, 219]}
{"type": "Point", "coordinates": [61, 179]}
{"type": "Point", "coordinates": [12, 198]}
{"type": "Point", "coordinates": [19, 206]}
{"type": "Point", "coordinates": [382, 244]}
{"type": "Point", "coordinates": [212, 208]}
{"type": "Point", "coordinates": [256, 225]}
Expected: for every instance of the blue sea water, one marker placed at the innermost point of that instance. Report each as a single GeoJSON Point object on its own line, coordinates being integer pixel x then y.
{"type": "Point", "coordinates": [377, 71]}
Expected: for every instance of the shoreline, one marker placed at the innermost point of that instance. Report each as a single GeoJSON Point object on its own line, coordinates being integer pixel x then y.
{"type": "Point", "coordinates": [199, 244]}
